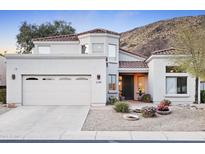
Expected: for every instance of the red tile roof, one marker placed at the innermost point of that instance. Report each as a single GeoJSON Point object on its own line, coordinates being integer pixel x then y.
{"type": "Point", "coordinates": [134, 53]}
{"type": "Point", "coordinates": [73, 37]}
{"type": "Point", "coordinates": [132, 64]}
{"type": "Point", "coordinates": [169, 51]}
{"type": "Point", "coordinates": [99, 30]}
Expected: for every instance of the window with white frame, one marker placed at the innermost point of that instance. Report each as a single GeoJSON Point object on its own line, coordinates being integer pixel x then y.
{"type": "Point", "coordinates": [112, 82]}
{"type": "Point", "coordinates": [176, 85]}
{"type": "Point", "coordinates": [174, 69]}
{"type": "Point", "coordinates": [44, 50]}
{"type": "Point", "coordinates": [98, 47]}
{"type": "Point", "coordinates": [112, 50]}
{"type": "Point", "coordinates": [85, 49]}
{"type": "Point", "coordinates": [202, 85]}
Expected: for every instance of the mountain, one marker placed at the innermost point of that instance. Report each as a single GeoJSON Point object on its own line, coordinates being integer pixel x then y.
{"type": "Point", "coordinates": [156, 36]}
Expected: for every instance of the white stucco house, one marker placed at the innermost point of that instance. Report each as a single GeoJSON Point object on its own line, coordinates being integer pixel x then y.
{"type": "Point", "coordinates": [88, 68]}
{"type": "Point", "coordinates": [2, 71]}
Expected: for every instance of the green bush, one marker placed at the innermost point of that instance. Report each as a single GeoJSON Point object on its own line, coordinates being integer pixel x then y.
{"type": "Point", "coordinates": [146, 98]}
{"type": "Point", "coordinates": [112, 100]}
{"type": "Point", "coordinates": [203, 96]}
{"type": "Point", "coordinates": [121, 107]}
{"type": "Point", "coordinates": [3, 96]}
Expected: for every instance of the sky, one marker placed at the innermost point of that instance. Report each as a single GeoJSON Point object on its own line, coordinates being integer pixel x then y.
{"type": "Point", "coordinates": [118, 21]}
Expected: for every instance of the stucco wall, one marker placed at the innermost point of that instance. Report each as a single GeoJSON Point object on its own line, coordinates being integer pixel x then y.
{"type": "Point", "coordinates": [2, 71]}
{"type": "Point", "coordinates": [58, 47]}
{"type": "Point", "coordinates": [157, 82]}
{"type": "Point", "coordinates": [128, 57]}
{"type": "Point", "coordinates": [54, 66]}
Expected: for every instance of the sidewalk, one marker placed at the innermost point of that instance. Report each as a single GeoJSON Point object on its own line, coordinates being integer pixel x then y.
{"type": "Point", "coordinates": [115, 135]}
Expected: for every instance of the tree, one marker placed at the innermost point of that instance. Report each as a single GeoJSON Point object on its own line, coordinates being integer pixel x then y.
{"type": "Point", "coordinates": [27, 32]}
{"type": "Point", "coordinates": [190, 41]}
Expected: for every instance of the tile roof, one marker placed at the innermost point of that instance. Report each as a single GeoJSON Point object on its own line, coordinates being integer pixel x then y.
{"type": "Point", "coordinates": [99, 30]}
{"type": "Point", "coordinates": [132, 64]}
{"type": "Point", "coordinates": [134, 53]}
{"type": "Point", "coordinates": [169, 51]}
{"type": "Point", "coordinates": [73, 37]}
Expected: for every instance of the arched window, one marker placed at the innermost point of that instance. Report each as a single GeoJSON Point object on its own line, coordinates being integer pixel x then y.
{"type": "Point", "coordinates": [31, 78]}
{"type": "Point", "coordinates": [48, 79]}
{"type": "Point", "coordinates": [64, 78]}
{"type": "Point", "coordinates": [81, 78]}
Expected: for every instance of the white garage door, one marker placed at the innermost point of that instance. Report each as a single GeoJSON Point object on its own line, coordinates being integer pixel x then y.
{"type": "Point", "coordinates": [56, 90]}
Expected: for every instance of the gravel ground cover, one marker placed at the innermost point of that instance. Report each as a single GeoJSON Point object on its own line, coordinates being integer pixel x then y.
{"type": "Point", "coordinates": [182, 118]}
{"type": "Point", "coordinates": [3, 109]}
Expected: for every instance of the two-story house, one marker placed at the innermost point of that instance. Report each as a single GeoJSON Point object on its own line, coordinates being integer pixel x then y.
{"type": "Point", "coordinates": [89, 67]}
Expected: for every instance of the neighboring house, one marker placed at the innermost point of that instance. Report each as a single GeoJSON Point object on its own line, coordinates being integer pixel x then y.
{"type": "Point", "coordinates": [2, 71]}
{"type": "Point", "coordinates": [88, 68]}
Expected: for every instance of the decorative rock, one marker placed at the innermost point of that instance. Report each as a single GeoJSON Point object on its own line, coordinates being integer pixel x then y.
{"type": "Point", "coordinates": [148, 112]}
{"type": "Point", "coordinates": [164, 112]}
{"type": "Point", "coordinates": [11, 105]}
{"type": "Point", "coordinates": [137, 110]}
{"type": "Point", "coordinates": [131, 117]}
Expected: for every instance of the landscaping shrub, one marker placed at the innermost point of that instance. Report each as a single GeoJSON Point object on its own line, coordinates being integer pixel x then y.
{"type": "Point", "coordinates": [148, 111]}
{"type": "Point", "coordinates": [112, 100]}
{"type": "Point", "coordinates": [166, 102]}
{"type": "Point", "coordinates": [122, 107]}
{"type": "Point", "coordinates": [162, 106]}
{"type": "Point", "coordinates": [3, 96]}
{"type": "Point", "coordinates": [203, 96]}
{"type": "Point", "coordinates": [146, 98]}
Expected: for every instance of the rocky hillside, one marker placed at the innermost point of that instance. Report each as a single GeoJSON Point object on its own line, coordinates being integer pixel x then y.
{"type": "Point", "coordinates": [157, 35]}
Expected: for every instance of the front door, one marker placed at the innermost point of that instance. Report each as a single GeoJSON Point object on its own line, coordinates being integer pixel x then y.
{"type": "Point", "coordinates": [128, 87]}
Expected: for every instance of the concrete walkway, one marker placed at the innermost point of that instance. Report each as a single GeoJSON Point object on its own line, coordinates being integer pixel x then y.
{"type": "Point", "coordinates": [116, 135]}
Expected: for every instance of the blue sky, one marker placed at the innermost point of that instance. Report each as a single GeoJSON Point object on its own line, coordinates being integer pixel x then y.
{"type": "Point", "coordinates": [118, 21]}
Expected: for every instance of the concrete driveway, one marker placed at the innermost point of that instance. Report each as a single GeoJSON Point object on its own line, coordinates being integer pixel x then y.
{"type": "Point", "coordinates": [42, 122]}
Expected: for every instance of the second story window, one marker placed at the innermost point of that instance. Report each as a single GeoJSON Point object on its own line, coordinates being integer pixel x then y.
{"type": "Point", "coordinates": [44, 50]}
{"type": "Point", "coordinates": [112, 52]}
{"type": "Point", "coordinates": [98, 47]}
{"type": "Point", "coordinates": [174, 69]}
{"type": "Point", "coordinates": [84, 49]}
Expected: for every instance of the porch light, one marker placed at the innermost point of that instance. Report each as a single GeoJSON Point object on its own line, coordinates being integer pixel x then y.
{"type": "Point", "coordinates": [13, 76]}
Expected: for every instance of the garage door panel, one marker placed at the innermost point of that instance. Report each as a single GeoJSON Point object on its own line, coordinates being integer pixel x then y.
{"type": "Point", "coordinates": [61, 90]}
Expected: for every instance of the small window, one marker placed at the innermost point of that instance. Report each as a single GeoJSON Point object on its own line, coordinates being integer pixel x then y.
{"type": "Point", "coordinates": [43, 50]}
{"type": "Point", "coordinates": [112, 50]}
{"type": "Point", "coordinates": [81, 78]}
{"type": "Point", "coordinates": [202, 85]}
{"type": "Point", "coordinates": [176, 85]}
{"type": "Point", "coordinates": [84, 49]}
{"type": "Point", "coordinates": [48, 79]}
{"type": "Point", "coordinates": [65, 79]}
{"type": "Point", "coordinates": [31, 78]}
{"type": "Point", "coordinates": [174, 69]}
{"type": "Point", "coordinates": [98, 47]}
{"type": "Point", "coordinates": [112, 82]}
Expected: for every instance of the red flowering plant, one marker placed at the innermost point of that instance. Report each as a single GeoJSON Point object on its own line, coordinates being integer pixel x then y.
{"type": "Point", "coordinates": [163, 106]}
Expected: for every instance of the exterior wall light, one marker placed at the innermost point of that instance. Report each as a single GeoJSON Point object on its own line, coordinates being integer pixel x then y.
{"type": "Point", "coordinates": [13, 76]}
{"type": "Point", "coordinates": [98, 77]}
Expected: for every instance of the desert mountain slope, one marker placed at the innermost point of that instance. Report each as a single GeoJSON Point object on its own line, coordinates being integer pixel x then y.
{"type": "Point", "coordinates": [156, 36]}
